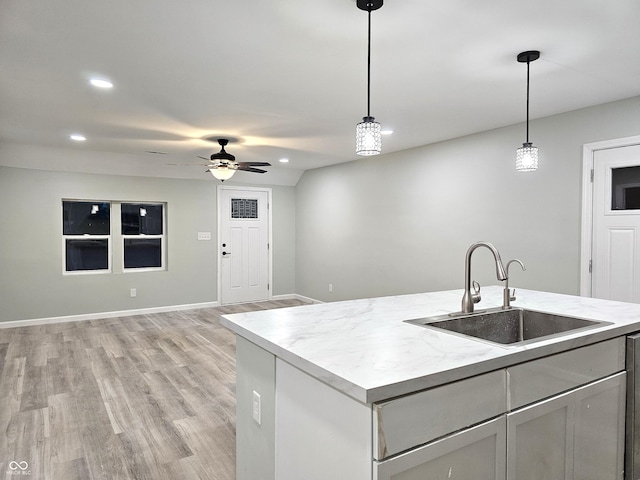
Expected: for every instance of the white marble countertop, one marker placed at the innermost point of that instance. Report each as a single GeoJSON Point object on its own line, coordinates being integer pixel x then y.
{"type": "Point", "coordinates": [364, 349]}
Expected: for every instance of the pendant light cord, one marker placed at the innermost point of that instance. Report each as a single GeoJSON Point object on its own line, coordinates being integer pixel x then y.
{"type": "Point", "coordinates": [369, 66]}
{"type": "Point", "coordinates": [527, 101]}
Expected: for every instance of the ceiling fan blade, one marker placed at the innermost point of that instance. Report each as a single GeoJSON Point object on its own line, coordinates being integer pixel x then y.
{"type": "Point", "coordinates": [254, 164]}
{"type": "Point", "coordinates": [203, 158]}
{"type": "Point", "coordinates": [251, 169]}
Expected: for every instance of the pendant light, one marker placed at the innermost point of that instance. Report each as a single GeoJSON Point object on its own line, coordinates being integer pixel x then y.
{"type": "Point", "coordinates": [368, 136]}
{"type": "Point", "coordinates": [527, 154]}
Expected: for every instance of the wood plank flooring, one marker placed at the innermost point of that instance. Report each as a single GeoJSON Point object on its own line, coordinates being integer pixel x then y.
{"type": "Point", "coordinates": [139, 397]}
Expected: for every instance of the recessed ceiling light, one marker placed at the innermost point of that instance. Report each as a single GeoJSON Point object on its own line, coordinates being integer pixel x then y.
{"type": "Point", "coordinates": [101, 83]}
{"type": "Point", "coordinates": [76, 137]}
{"type": "Point", "coordinates": [386, 132]}
{"type": "Point", "coordinates": [284, 160]}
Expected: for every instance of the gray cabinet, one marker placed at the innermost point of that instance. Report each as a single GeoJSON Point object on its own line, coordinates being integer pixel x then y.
{"type": "Point", "coordinates": [476, 453]}
{"type": "Point", "coordinates": [557, 417]}
{"type": "Point", "coordinates": [576, 435]}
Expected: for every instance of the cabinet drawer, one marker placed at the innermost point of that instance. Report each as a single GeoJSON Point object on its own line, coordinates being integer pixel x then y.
{"type": "Point", "coordinates": [477, 452]}
{"type": "Point", "coordinates": [406, 422]}
{"type": "Point", "coordinates": [542, 378]}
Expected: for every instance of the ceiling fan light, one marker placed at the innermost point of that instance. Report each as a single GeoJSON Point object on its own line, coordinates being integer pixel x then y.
{"type": "Point", "coordinates": [222, 173]}
{"type": "Point", "coordinates": [368, 137]}
{"type": "Point", "coordinates": [527, 158]}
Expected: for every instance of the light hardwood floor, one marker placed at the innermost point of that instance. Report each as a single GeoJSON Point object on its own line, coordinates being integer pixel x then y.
{"type": "Point", "coordinates": [139, 397]}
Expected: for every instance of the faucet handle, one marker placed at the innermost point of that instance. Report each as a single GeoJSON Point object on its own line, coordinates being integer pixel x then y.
{"type": "Point", "coordinates": [476, 297]}
{"type": "Point", "coordinates": [512, 297]}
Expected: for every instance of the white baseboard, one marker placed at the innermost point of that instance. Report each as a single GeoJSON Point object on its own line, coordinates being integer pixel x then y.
{"type": "Point", "coordinates": [295, 296]}
{"type": "Point", "coordinates": [127, 313]}
{"type": "Point", "coordinates": [96, 316]}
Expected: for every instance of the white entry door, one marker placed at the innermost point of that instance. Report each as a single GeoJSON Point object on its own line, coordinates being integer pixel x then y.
{"type": "Point", "coordinates": [243, 244]}
{"type": "Point", "coordinates": [616, 224]}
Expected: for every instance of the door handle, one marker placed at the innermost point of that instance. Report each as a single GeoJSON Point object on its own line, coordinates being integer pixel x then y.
{"type": "Point", "coordinates": [226, 253]}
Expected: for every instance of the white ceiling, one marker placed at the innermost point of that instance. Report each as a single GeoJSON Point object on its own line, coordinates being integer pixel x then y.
{"type": "Point", "coordinates": [287, 78]}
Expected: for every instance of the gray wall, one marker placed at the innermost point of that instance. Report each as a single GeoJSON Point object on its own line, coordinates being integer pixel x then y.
{"type": "Point", "coordinates": [392, 224]}
{"type": "Point", "coordinates": [402, 222]}
{"type": "Point", "coordinates": [31, 280]}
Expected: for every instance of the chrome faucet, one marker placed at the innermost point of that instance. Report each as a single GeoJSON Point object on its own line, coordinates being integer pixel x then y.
{"type": "Point", "coordinates": [509, 296]}
{"type": "Point", "coordinates": [469, 299]}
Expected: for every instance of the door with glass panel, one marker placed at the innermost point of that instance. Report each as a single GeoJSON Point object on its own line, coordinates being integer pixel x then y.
{"type": "Point", "coordinates": [243, 244]}
{"type": "Point", "coordinates": [616, 224]}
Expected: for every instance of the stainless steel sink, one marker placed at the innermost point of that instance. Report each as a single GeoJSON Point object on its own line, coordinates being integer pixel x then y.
{"type": "Point", "coordinates": [508, 327]}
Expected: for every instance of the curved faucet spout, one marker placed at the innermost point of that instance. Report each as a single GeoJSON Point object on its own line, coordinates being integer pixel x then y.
{"type": "Point", "coordinates": [507, 294]}
{"type": "Point", "coordinates": [501, 274]}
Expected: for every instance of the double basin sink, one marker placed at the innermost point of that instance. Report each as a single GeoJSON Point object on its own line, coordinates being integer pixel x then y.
{"type": "Point", "coordinates": [511, 326]}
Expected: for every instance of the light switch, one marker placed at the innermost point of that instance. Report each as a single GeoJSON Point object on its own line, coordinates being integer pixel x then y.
{"type": "Point", "coordinates": [204, 235]}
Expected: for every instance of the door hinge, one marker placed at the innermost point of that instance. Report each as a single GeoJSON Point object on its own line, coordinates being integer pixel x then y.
{"type": "Point", "coordinates": [268, 287]}
{"type": "Point", "coordinates": [592, 175]}
{"type": "Point", "coordinates": [590, 266]}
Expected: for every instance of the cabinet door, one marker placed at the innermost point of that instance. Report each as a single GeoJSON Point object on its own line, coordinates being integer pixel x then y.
{"type": "Point", "coordinates": [599, 431]}
{"type": "Point", "coordinates": [540, 440]}
{"type": "Point", "coordinates": [577, 435]}
{"type": "Point", "coordinates": [477, 453]}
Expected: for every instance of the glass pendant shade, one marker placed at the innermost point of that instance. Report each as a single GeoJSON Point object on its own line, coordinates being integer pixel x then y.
{"type": "Point", "coordinates": [527, 158]}
{"type": "Point", "coordinates": [222, 173]}
{"type": "Point", "coordinates": [368, 137]}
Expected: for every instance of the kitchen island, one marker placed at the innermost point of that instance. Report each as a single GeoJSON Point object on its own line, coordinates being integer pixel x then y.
{"type": "Point", "coordinates": [349, 390]}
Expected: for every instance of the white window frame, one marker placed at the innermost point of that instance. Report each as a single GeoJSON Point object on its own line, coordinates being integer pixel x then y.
{"type": "Point", "coordinates": [163, 242]}
{"type": "Point", "coordinates": [87, 236]}
{"type": "Point", "coordinates": [115, 235]}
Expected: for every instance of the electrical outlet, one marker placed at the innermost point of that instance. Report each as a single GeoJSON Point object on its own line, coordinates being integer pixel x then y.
{"type": "Point", "coordinates": [133, 292]}
{"type": "Point", "coordinates": [257, 408]}
{"type": "Point", "coordinates": [331, 288]}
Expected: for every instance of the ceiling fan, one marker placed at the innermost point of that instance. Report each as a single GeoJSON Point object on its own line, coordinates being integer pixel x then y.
{"type": "Point", "coordinates": [223, 165]}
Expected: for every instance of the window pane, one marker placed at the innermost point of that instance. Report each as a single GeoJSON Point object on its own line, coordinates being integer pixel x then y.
{"type": "Point", "coordinates": [142, 252]}
{"type": "Point", "coordinates": [85, 218]}
{"type": "Point", "coordinates": [141, 218]}
{"type": "Point", "coordinates": [625, 188]}
{"type": "Point", "coordinates": [244, 208]}
{"type": "Point", "coordinates": [87, 254]}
